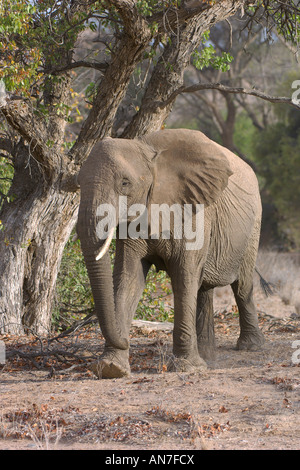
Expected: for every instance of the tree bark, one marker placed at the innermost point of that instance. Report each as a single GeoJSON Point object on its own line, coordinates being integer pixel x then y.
{"type": "Point", "coordinates": [37, 224]}
{"type": "Point", "coordinates": [229, 123]}
{"type": "Point", "coordinates": [31, 259]}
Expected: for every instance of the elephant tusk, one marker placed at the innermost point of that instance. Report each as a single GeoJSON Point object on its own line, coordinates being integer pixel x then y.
{"type": "Point", "coordinates": [105, 247]}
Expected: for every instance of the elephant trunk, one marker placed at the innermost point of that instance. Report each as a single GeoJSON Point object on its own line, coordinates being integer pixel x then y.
{"type": "Point", "coordinates": [100, 275]}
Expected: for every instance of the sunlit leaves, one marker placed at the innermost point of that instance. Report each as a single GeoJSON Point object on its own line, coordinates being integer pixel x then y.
{"type": "Point", "coordinates": [207, 57]}
{"type": "Point", "coordinates": [18, 61]}
{"type": "Point", "coordinates": [37, 36]}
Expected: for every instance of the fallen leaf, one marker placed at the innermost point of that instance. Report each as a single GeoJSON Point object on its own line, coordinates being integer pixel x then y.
{"type": "Point", "coordinates": [222, 409]}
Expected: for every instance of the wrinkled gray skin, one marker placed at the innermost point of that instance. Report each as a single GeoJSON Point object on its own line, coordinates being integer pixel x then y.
{"type": "Point", "coordinates": [172, 166]}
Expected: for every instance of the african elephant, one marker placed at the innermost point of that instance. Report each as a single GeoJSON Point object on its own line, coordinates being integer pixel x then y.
{"type": "Point", "coordinates": [185, 168]}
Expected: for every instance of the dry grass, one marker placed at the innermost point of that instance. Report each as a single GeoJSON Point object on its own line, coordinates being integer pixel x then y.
{"type": "Point", "coordinates": [283, 271]}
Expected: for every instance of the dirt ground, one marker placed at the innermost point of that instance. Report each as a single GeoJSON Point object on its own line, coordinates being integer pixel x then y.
{"type": "Point", "coordinates": [244, 400]}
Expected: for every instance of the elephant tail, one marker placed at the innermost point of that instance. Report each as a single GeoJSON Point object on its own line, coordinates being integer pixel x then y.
{"type": "Point", "coordinates": [267, 287]}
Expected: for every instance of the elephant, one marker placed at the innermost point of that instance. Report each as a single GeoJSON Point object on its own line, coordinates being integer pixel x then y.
{"type": "Point", "coordinates": [185, 168]}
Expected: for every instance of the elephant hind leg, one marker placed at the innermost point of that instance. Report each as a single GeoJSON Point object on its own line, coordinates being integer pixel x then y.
{"type": "Point", "coordinates": [251, 338]}
{"type": "Point", "coordinates": [205, 324]}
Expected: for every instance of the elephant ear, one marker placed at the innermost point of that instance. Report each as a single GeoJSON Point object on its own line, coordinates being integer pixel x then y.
{"type": "Point", "coordinates": [190, 168]}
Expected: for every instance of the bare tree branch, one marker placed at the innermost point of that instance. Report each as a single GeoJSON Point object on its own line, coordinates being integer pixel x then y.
{"type": "Point", "coordinates": [227, 89]}
{"type": "Point", "coordinates": [101, 66]}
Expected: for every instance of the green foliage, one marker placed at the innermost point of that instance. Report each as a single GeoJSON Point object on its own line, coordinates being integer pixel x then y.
{"type": "Point", "coordinates": [6, 175]}
{"type": "Point", "coordinates": [284, 15]}
{"type": "Point", "coordinates": [73, 292]}
{"type": "Point", "coordinates": [155, 302]}
{"type": "Point", "coordinates": [20, 57]}
{"type": "Point", "coordinates": [278, 155]}
{"type": "Point", "coordinates": [90, 90]}
{"type": "Point", "coordinates": [147, 7]}
{"type": "Point", "coordinates": [34, 36]}
{"type": "Point", "coordinates": [207, 57]}
{"type": "Point", "coordinates": [245, 134]}
{"type": "Point", "coordinates": [74, 296]}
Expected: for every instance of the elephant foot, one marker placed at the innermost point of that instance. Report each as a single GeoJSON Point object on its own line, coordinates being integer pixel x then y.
{"type": "Point", "coordinates": [112, 365]}
{"type": "Point", "coordinates": [207, 351]}
{"type": "Point", "coordinates": [251, 342]}
{"type": "Point", "coordinates": [186, 364]}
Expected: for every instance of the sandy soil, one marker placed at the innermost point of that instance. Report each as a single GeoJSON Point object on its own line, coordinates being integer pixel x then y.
{"type": "Point", "coordinates": [244, 400]}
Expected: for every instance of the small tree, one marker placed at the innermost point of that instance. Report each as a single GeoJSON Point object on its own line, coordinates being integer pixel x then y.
{"type": "Point", "coordinates": [38, 42]}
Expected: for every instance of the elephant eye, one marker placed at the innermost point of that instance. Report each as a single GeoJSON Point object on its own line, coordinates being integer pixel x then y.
{"type": "Point", "coordinates": [125, 183]}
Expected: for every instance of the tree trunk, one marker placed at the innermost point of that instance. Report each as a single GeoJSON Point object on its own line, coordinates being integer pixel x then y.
{"type": "Point", "coordinates": [227, 133]}
{"type": "Point", "coordinates": [37, 225]}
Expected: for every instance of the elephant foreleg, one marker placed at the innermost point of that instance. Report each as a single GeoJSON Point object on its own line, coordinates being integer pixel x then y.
{"type": "Point", "coordinates": [129, 281]}
{"type": "Point", "coordinates": [186, 356]}
{"type": "Point", "coordinates": [205, 324]}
